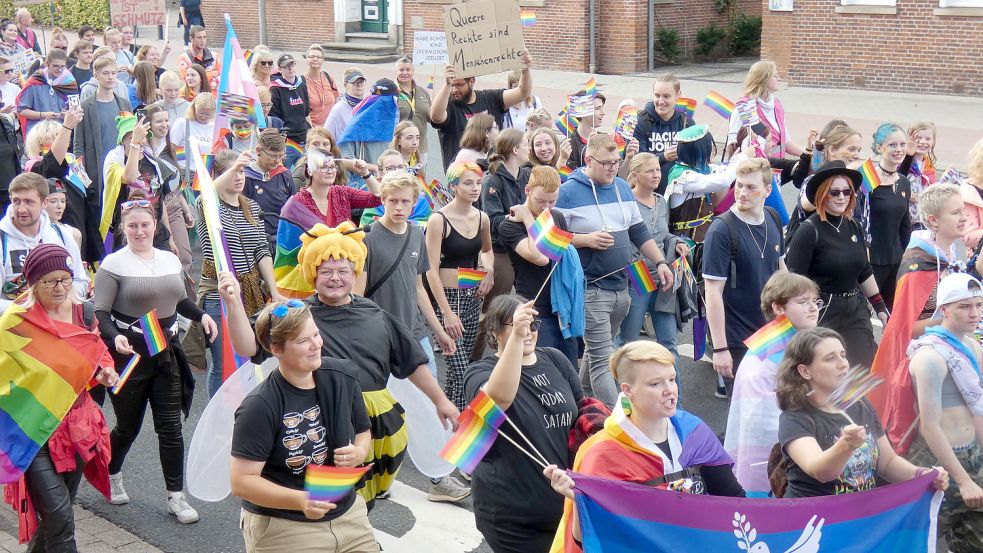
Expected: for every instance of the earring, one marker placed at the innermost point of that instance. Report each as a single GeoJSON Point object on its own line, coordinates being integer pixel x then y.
{"type": "Point", "coordinates": [626, 404]}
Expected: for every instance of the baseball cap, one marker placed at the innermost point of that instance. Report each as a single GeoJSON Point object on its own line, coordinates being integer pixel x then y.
{"type": "Point", "coordinates": [55, 186]}
{"type": "Point", "coordinates": [384, 87]}
{"type": "Point", "coordinates": [353, 74]}
{"type": "Point", "coordinates": [285, 60]}
{"type": "Point", "coordinates": [956, 287]}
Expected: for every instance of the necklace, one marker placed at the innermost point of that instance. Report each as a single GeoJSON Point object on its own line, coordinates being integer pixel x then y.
{"type": "Point", "coordinates": [894, 185]}
{"type": "Point", "coordinates": [837, 226]}
{"type": "Point", "coordinates": [764, 244]}
{"type": "Point", "coordinates": [152, 265]}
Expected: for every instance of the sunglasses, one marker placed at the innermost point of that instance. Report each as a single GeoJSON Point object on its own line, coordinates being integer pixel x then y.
{"type": "Point", "coordinates": [135, 203]}
{"type": "Point", "coordinates": [533, 326]}
{"type": "Point", "coordinates": [279, 312]}
{"type": "Point", "coordinates": [266, 63]}
{"type": "Point", "coordinates": [8, 71]}
{"type": "Point", "coordinates": [838, 193]}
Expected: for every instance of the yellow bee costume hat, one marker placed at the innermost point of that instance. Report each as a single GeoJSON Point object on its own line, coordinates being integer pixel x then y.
{"type": "Point", "coordinates": [330, 243]}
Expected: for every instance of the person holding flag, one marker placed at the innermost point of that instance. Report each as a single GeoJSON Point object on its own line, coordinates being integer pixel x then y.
{"type": "Point", "coordinates": [45, 94]}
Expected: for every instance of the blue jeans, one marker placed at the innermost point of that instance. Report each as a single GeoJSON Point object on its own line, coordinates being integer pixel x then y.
{"type": "Point", "coordinates": [664, 323]}
{"type": "Point", "coordinates": [194, 18]}
{"type": "Point", "coordinates": [213, 380]}
{"type": "Point", "coordinates": [604, 310]}
{"type": "Point", "coordinates": [428, 348]}
{"type": "Point", "coordinates": [550, 336]}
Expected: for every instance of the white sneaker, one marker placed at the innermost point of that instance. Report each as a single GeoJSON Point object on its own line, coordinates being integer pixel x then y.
{"type": "Point", "coordinates": [449, 490]}
{"type": "Point", "coordinates": [177, 505]}
{"type": "Point", "coordinates": [117, 493]}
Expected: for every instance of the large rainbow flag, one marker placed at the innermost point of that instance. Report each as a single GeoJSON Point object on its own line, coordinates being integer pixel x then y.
{"type": "Point", "coordinates": [622, 516]}
{"type": "Point", "coordinates": [44, 366]}
{"type": "Point", "coordinates": [235, 79]}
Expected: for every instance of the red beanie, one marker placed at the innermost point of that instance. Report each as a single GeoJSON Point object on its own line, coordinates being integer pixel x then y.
{"type": "Point", "coordinates": [44, 259]}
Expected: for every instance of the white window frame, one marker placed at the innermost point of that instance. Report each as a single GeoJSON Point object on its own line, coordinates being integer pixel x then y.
{"type": "Point", "coordinates": [961, 3]}
{"type": "Point", "coordinates": [885, 3]}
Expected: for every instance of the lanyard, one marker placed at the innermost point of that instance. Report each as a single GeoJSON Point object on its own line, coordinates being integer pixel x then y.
{"type": "Point", "coordinates": [621, 205]}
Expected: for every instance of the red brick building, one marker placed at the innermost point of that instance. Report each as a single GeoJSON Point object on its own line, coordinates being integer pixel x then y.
{"type": "Point", "coordinates": [932, 46]}
{"type": "Point", "coordinates": [377, 30]}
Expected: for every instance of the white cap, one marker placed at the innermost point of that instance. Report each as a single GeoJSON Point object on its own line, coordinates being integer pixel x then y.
{"type": "Point", "coordinates": [956, 287]}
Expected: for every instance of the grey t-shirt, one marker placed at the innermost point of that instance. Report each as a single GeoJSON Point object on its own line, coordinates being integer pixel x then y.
{"type": "Point", "coordinates": [107, 112]}
{"type": "Point", "coordinates": [397, 294]}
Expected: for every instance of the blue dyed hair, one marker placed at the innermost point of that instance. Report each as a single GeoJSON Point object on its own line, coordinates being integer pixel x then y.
{"type": "Point", "coordinates": [696, 154]}
{"type": "Point", "coordinates": [881, 134]}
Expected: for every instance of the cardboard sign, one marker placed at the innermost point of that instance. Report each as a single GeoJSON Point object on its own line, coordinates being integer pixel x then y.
{"type": "Point", "coordinates": [137, 12]}
{"type": "Point", "coordinates": [483, 37]}
{"type": "Point", "coordinates": [429, 48]}
{"type": "Point", "coordinates": [22, 62]}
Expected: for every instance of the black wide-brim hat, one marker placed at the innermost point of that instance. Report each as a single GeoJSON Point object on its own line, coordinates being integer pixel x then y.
{"type": "Point", "coordinates": [832, 169]}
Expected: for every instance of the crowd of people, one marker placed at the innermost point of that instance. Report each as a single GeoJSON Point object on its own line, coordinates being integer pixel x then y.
{"type": "Point", "coordinates": [346, 266]}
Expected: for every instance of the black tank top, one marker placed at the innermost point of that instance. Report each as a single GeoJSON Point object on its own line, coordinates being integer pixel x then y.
{"type": "Point", "coordinates": [456, 251]}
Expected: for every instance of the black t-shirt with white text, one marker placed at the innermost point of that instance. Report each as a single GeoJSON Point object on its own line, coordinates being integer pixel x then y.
{"type": "Point", "coordinates": [486, 101]}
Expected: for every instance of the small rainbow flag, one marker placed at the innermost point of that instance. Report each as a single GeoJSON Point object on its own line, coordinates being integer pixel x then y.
{"type": "Point", "coordinates": [590, 88]}
{"type": "Point", "coordinates": [469, 278]}
{"type": "Point", "coordinates": [951, 176]}
{"type": "Point", "coordinates": [331, 483]}
{"type": "Point", "coordinates": [292, 146]}
{"type": "Point", "coordinates": [527, 18]}
{"type": "Point", "coordinates": [687, 106]}
{"type": "Point", "coordinates": [180, 154]}
{"type": "Point", "coordinates": [430, 83]}
{"type": "Point", "coordinates": [640, 277]}
{"type": "Point", "coordinates": [564, 172]}
{"type": "Point", "coordinates": [153, 334]}
{"type": "Point", "coordinates": [565, 123]}
{"type": "Point", "coordinates": [125, 374]}
{"type": "Point", "coordinates": [476, 432]}
{"type": "Point", "coordinates": [857, 383]}
{"type": "Point", "coordinates": [720, 104]}
{"type": "Point", "coordinates": [871, 179]}
{"type": "Point", "coordinates": [769, 342]}
{"type": "Point", "coordinates": [248, 56]}
{"type": "Point", "coordinates": [548, 238]}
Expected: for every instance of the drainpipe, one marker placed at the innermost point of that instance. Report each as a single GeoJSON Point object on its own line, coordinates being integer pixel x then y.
{"type": "Point", "coordinates": [591, 16]}
{"type": "Point", "coordinates": [651, 33]}
{"type": "Point", "coordinates": [262, 22]}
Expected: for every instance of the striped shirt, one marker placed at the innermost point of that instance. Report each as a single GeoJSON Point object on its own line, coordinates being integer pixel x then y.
{"type": "Point", "coordinates": [246, 242]}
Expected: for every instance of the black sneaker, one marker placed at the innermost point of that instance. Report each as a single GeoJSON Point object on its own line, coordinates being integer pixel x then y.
{"type": "Point", "coordinates": [721, 392]}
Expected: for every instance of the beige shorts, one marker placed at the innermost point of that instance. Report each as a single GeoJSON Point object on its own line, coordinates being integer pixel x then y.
{"type": "Point", "coordinates": [349, 533]}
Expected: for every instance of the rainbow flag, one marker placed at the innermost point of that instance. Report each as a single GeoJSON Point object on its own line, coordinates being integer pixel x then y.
{"type": "Point", "coordinates": [720, 104]}
{"type": "Point", "coordinates": [331, 483]}
{"type": "Point", "coordinates": [564, 172]}
{"type": "Point", "coordinates": [564, 123]}
{"type": "Point", "coordinates": [235, 79]}
{"type": "Point", "coordinates": [153, 334]}
{"type": "Point", "coordinates": [469, 278]}
{"type": "Point", "coordinates": [247, 55]}
{"type": "Point", "coordinates": [430, 83]}
{"type": "Point", "coordinates": [44, 366]}
{"type": "Point", "coordinates": [590, 87]}
{"type": "Point", "coordinates": [294, 147]}
{"type": "Point", "coordinates": [951, 176]}
{"type": "Point", "coordinates": [640, 277]}
{"type": "Point", "coordinates": [550, 240]}
{"type": "Point", "coordinates": [687, 106]}
{"type": "Point", "coordinates": [476, 432]}
{"type": "Point", "coordinates": [180, 154]}
{"type": "Point", "coordinates": [871, 178]}
{"type": "Point", "coordinates": [857, 383]}
{"type": "Point", "coordinates": [124, 375]}
{"type": "Point", "coordinates": [527, 18]}
{"type": "Point", "coordinates": [769, 342]}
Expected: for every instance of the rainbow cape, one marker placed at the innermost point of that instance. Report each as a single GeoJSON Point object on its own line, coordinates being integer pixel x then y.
{"type": "Point", "coordinates": [292, 146]}
{"type": "Point", "coordinates": [235, 79]}
{"type": "Point", "coordinates": [548, 238]}
{"type": "Point", "coordinates": [44, 366]}
{"type": "Point", "coordinates": [719, 104]}
{"type": "Point", "coordinates": [373, 120]}
{"type": "Point", "coordinates": [769, 342]}
{"type": "Point", "coordinates": [153, 334]}
{"type": "Point", "coordinates": [476, 432]}
{"type": "Point", "coordinates": [871, 179]}
{"type": "Point", "coordinates": [331, 483]}
{"type": "Point", "coordinates": [687, 106]}
{"type": "Point", "coordinates": [640, 277]}
{"type": "Point", "coordinates": [469, 278]}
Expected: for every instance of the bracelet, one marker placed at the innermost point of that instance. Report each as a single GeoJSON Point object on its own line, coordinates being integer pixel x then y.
{"type": "Point", "coordinates": [720, 350]}
{"type": "Point", "coordinates": [662, 262]}
{"type": "Point", "coordinates": [877, 302]}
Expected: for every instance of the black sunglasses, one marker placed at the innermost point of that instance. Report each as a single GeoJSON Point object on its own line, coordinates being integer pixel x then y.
{"type": "Point", "coordinates": [267, 63]}
{"type": "Point", "coordinates": [837, 193]}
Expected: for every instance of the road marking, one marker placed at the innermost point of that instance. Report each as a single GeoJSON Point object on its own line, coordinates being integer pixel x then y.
{"type": "Point", "coordinates": [439, 527]}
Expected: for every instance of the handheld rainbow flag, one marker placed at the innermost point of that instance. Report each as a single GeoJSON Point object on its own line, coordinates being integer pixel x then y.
{"type": "Point", "coordinates": [590, 87]}
{"type": "Point", "coordinates": [687, 106]}
{"type": "Point", "coordinates": [564, 172]}
{"type": "Point", "coordinates": [871, 178]}
{"type": "Point", "coordinates": [153, 334]}
{"type": "Point", "coordinates": [951, 176]}
{"type": "Point", "coordinates": [565, 124]}
{"type": "Point", "coordinates": [476, 432]}
{"type": "Point", "coordinates": [626, 121]}
{"type": "Point", "coordinates": [640, 277]}
{"type": "Point", "coordinates": [857, 383]}
{"type": "Point", "coordinates": [292, 146]}
{"type": "Point", "coordinates": [581, 105]}
{"type": "Point", "coordinates": [719, 104]}
{"type": "Point", "coordinates": [527, 18]}
{"type": "Point", "coordinates": [769, 342]}
{"type": "Point", "coordinates": [181, 154]}
{"type": "Point", "coordinates": [469, 278]}
{"type": "Point", "coordinates": [430, 83]}
{"type": "Point", "coordinates": [124, 375]}
{"type": "Point", "coordinates": [548, 238]}
{"type": "Point", "coordinates": [330, 483]}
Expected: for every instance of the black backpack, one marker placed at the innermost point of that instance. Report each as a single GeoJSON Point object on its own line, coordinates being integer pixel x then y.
{"type": "Point", "coordinates": [735, 238]}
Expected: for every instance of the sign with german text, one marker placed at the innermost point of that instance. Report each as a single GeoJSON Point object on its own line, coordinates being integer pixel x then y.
{"type": "Point", "coordinates": [483, 37]}
{"type": "Point", "coordinates": [429, 48]}
{"type": "Point", "coordinates": [137, 12]}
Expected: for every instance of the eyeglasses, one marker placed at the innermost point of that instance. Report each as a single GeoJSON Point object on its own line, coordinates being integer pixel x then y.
{"type": "Point", "coordinates": [328, 168]}
{"type": "Point", "coordinates": [8, 71]}
{"type": "Point", "coordinates": [341, 273]}
{"type": "Point", "coordinates": [806, 303]}
{"type": "Point", "coordinates": [533, 326]}
{"type": "Point", "coordinates": [837, 193]}
{"type": "Point", "coordinates": [267, 104]}
{"type": "Point", "coordinates": [134, 203]}
{"type": "Point", "coordinates": [278, 155]}
{"type": "Point", "coordinates": [606, 164]}
{"type": "Point", "coordinates": [391, 168]}
{"type": "Point", "coordinates": [65, 282]}
{"type": "Point", "coordinates": [266, 63]}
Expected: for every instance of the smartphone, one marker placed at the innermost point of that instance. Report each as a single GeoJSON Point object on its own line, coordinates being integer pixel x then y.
{"type": "Point", "coordinates": [141, 114]}
{"type": "Point", "coordinates": [74, 102]}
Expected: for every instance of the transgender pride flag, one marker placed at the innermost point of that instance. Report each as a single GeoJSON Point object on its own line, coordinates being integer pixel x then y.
{"type": "Point", "coordinates": [623, 517]}
{"type": "Point", "coordinates": [235, 79]}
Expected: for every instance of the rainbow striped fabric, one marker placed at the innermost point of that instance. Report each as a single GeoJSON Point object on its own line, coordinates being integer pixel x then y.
{"type": "Point", "coordinates": [564, 172]}
{"type": "Point", "coordinates": [153, 334]}
{"type": "Point", "coordinates": [292, 146]}
{"type": "Point", "coordinates": [769, 342]}
{"type": "Point", "coordinates": [687, 106]}
{"type": "Point", "coordinates": [857, 383]}
{"type": "Point", "coordinates": [469, 278]}
{"type": "Point", "coordinates": [548, 238]}
{"type": "Point", "coordinates": [640, 277]}
{"type": "Point", "coordinates": [590, 87]}
{"type": "Point", "coordinates": [719, 104]}
{"type": "Point", "coordinates": [871, 178]}
{"type": "Point", "coordinates": [430, 83]}
{"type": "Point", "coordinates": [476, 432]}
{"type": "Point", "coordinates": [565, 124]}
{"type": "Point", "coordinates": [330, 483]}
{"type": "Point", "coordinates": [124, 375]}
{"type": "Point", "coordinates": [527, 18]}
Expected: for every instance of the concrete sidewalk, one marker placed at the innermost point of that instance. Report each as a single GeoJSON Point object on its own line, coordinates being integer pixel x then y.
{"type": "Point", "coordinates": [93, 534]}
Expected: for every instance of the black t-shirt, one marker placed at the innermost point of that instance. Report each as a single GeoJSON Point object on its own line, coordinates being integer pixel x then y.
{"type": "Point", "coordinates": [889, 223]}
{"type": "Point", "coordinates": [529, 276]}
{"type": "Point", "coordinates": [491, 102]}
{"type": "Point", "coordinates": [289, 428]}
{"type": "Point", "coordinates": [506, 484]}
{"type": "Point", "coordinates": [832, 253]}
{"type": "Point", "coordinates": [82, 76]}
{"type": "Point", "coordinates": [860, 473]}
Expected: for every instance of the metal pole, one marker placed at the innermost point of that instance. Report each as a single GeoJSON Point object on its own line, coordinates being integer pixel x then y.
{"type": "Point", "coordinates": [262, 22]}
{"type": "Point", "coordinates": [592, 47]}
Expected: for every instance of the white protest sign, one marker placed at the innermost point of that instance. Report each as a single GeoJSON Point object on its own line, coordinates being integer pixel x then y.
{"type": "Point", "coordinates": [429, 48]}
{"type": "Point", "coordinates": [483, 37]}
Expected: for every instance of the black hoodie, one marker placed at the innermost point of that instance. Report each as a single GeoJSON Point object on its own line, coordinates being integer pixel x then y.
{"type": "Point", "coordinates": [655, 135]}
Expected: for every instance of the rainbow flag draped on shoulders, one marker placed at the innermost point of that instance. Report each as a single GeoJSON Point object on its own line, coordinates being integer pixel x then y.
{"type": "Point", "coordinates": [44, 366]}
{"type": "Point", "coordinates": [289, 275]}
{"type": "Point", "coordinates": [622, 516]}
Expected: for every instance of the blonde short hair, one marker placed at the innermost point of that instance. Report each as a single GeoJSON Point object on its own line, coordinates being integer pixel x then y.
{"type": "Point", "coordinates": [171, 78]}
{"type": "Point", "coordinates": [976, 162]}
{"type": "Point", "coordinates": [545, 177]}
{"type": "Point", "coordinates": [275, 331]}
{"type": "Point", "coordinates": [933, 199]}
{"type": "Point", "coordinates": [624, 362]}
{"type": "Point", "coordinates": [40, 135]}
{"type": "Point", "coordinates": [399, 180]}
{"type": "Point", "coordinates": [758, 166]}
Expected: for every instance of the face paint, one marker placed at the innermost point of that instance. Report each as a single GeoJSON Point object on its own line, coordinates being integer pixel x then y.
{"type": "Point", "coordinates": [242, 133]}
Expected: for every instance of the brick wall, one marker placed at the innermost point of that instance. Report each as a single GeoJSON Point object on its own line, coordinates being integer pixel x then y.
{"type": "Point", "coordinates": [689, 16]}
{"type": "Point", "coordinates": [290, 24]}
{"type": "Point", "coordinates": [912, 50]}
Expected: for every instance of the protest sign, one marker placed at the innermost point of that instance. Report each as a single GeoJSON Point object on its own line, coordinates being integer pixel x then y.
{"type": "Point", "coordinates": [22, 62]}
{"type": "Point", "coordinates": [137, 12]}
{"type": "Point", "coordinates": [483, 37]}
{"type": "Point", "coordinates": [429, 48]}
{"type": "Point", "coordinates": [236, 107]}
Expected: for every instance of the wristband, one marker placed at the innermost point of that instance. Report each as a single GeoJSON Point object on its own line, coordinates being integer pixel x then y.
{"type": "Point", "coordinates": [720, 350]}
{"type": "Point", "coordinates": [68, 128]}
{"type": "Point", "coordinates": [663, 262]}
{"type": "Point", "coordinates": [877, 302]}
